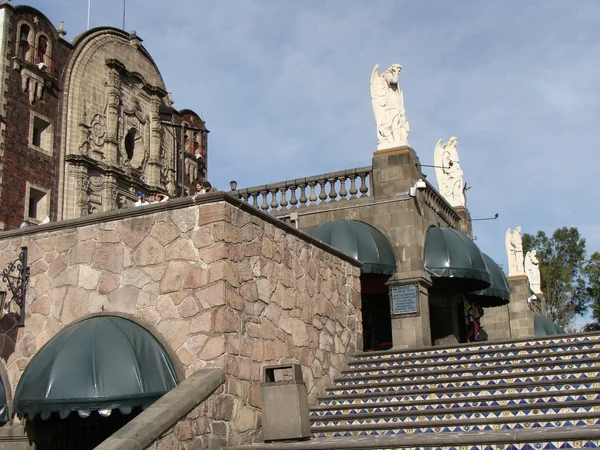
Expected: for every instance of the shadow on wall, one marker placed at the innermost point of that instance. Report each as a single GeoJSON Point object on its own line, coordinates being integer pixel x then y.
{"type": "Point", "coordinates": [8, 330]}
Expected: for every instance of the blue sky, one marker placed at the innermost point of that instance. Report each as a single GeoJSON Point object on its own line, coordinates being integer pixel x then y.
{"type": "Point", "coordinates": [284, 88]}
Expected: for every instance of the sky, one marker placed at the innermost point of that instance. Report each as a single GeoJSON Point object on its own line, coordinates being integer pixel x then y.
{"type": "Point", "coordinates": [284, 88]}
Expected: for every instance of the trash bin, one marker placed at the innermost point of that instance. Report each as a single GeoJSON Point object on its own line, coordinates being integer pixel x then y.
{"type": "Point", "coordinates": [284, 403]}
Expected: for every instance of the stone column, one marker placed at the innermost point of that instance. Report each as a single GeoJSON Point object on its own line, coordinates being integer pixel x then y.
{"type": "Point", "coordinates": [413, 330]}
{"type": "Point", "coordinates": [81, 189]}
{"type": "Point", "coordinates": [153, 170]}
{"type": "Point", "coordinates": [112, 116]}
{"type": "Point", "coordinates": [110, 193]}
{"type": "Point", "coordinates": [520, 315]}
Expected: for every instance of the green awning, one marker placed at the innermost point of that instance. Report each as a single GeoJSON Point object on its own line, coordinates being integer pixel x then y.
{"type": "Point", "coordinates": [498, 293]}
{"type": "Point", "coordinates": [454, 261]}
{"type": "Point", "coordinates": [361, 241]}
{"type": "Point", "coordinates": [542, 326]}
{"type": "Point", "coordinates": [100, 363]}
{"type": "Point", "coordinates": [4, 416]}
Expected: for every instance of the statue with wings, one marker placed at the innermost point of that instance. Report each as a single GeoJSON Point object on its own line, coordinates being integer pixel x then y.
{"type": "Point", "coordinates": [532, 270]}
{"type": "Point", "coordinates": [514, 251]}
{"type": "Point", "coordinates": [448, 172]}
{"type": "Point", "coordinates": [388, 107]}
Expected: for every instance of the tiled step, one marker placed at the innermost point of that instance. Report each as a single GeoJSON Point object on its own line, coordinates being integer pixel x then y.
{"type": "Point", "coordinates": [499, 348]}
{"type": "Point", "coordinates": [469, 392]}
{"type": "Point", "coordinates": [519, 439]}
{"type": "Point", "coordinates": [435, 417]}
{"type": "Point", "coordinates": [434, 373]}
{"type": "Point", "coordinates": [408, 365]}
{"type": "Point", "coordinates": [391, 426]}
{"type": "Point", "coordinates": [479, 382]}
{"type": "Point", "coordinates": [418, 405]}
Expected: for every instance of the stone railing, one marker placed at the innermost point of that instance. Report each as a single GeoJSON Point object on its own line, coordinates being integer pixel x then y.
{"type": "Point", "coordinates": [155, 425]}
{"type": "Point", "coordinates": [432, 198]}
{"type": "Point", "coordinates": [292, 194]}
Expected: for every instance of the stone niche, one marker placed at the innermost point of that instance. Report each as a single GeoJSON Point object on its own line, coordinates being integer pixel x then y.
{"type": "Point", "coordinates": [220, 283]}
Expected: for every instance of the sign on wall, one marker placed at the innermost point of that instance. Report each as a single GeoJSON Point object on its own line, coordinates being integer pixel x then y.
{"type": "Point", "coordinates": [404, 300]}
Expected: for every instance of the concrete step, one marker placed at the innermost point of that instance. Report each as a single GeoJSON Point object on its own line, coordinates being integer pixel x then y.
{"type": "Point", "coordinates": [587, 436]}
{"type": "Point", "coordinates": [437, 372]}
{"type": "Point", "coordinates": [416, 405]}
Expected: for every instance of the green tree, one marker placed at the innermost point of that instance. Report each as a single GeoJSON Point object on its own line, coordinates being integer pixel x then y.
{"type": "Point", "coordinates": [592, 272]}
{"type": "Point", "coordinates": [563, 264]}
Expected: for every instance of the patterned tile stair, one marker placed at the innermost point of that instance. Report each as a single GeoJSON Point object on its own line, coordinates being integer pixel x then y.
{"type": "Point", "coordinates": [511, 395]}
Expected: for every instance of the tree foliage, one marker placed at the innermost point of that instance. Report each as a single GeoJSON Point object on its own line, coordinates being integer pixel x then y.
{"type": "Point", "coordinates": [564, 272]}
{"type": "Point", "coordinates": [592, 272]}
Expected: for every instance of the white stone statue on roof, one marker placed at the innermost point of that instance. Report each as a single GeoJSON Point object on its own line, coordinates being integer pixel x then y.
{"type": "Point", "coordinates": [532, 269]}
{"type": "Point", "coordinates": [448, 172]}
{"type": "Point", "coordinates": [514, 251]}
{"type": "Point", "coordinates": [388, 107]}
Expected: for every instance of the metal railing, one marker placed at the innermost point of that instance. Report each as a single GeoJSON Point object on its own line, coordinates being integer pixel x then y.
{"type": "Point", "coordinates": [35, 56]}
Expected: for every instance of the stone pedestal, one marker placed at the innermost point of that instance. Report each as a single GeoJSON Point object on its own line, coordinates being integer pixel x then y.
{"type": "Point", "coordinates": [413, 330]}
{"type": "Point", "coordinates": [466, 226]}
{"type": "Point", "coordinates": [395, 170]}
{"type": "Point", "coordinates": [520, 315]}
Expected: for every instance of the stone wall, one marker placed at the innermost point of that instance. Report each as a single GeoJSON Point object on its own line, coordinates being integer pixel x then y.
{"type": "Point", "coordinates": [222, 284]}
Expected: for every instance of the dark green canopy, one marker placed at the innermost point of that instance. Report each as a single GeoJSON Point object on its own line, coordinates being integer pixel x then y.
{"type": "Point", "coordinates": [498, 293]}
{"type": "Point", "coordinates": [3, 403]}
{"type": "Point", "coordinates": [360, 240]}
{"type": "Point", "coordinates": [454, 261]}
{"type": "Point", "coordinates": [542, 326]}
{"type": "Point", "coordinates": [100, 363]}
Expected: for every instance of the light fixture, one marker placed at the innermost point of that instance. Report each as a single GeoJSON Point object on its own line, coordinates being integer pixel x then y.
{"type": "Point", "coordinates": [42, 66]}
{"type": "Point", "coordinates": [233, 185]}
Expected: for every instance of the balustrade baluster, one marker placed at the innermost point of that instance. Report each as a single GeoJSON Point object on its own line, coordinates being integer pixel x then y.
{"type": "Point", "coordinates": [322, 194]}
{"type": "Point", "coordinates": [274, 203]}
{"type": "Point", "coordinates": [332, 193]}
{"type": "Point", "coordinates": [254, 199]}
{"type": "Point", "coordinates": [303, 198]}
{"type": "Point", "coordinates": [343, 191]}
{"type": "Point", "coordinates": [264, 205]}
{"type": "Point", "coordinates": [244, 197]}
{"type": "Point", "coordinates": [313, 195]}
{"type": "Point", "coordinates": [293, 200]}
{"type": "Point", "coordinates": [363, 184]}
{"type": "Point", "coordinates": [353, 190]}
{"type": "Point", "coordinates": [283, 202]}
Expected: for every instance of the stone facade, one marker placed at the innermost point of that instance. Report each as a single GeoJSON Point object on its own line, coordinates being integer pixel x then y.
{"type": "Point", "coordinates": [220, 283]}
{"type": "Point", "coordinates": [81, 126]}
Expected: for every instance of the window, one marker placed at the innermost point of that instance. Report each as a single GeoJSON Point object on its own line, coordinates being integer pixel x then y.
{"type": "Point", "coordinates": [23, 43]}
{"type": "Point", "coordinates": [42, 49]}
{"type": "Point", "coordinates": [37, 202]}
{"type": "Point", "coordinates": [41, 134]}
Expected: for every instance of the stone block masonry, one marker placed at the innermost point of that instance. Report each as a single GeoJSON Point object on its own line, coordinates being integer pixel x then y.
{"type": "Point", "coordinates": [218, 282]}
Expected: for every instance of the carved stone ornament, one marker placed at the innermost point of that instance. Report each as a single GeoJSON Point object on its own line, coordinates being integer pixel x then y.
{"type": "Point", "coordinates": [388, 107]}
{"type": "Point", "coordinates": [448, 172]}
{"type": "Point", "coordinates": [514, 251]}
{"type": "Point", "coordinates": [532, 270]}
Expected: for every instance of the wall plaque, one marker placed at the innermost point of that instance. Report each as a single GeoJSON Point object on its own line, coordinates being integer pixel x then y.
{"type": "Point", "coordinates": [404, 300]}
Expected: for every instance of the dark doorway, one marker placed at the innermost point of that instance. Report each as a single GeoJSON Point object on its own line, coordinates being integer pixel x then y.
{"type": "Point", "coordinates": [377, 322]}
{"type": "Point", "coordinates": [75, 432]}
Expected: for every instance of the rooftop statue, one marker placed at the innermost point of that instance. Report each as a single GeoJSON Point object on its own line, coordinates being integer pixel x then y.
{"type": "Point", "coordinates": [532, 269]}
{"type": "Point", "coordinates": [448, 172]}
{"type": "Point", "coordinates": [388, 107]}
{"type": "Point", "coordinates": [514, 250]}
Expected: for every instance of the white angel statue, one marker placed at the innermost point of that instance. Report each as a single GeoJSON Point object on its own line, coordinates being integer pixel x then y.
{"type": "Point", "coordinates": [448, 172]}
{"type": "Point", "coordinates": [514, 250]}
{"type": "Point", "coordinates": [388, 107]}
{"type": "Point", "coordinates": [532, 269]}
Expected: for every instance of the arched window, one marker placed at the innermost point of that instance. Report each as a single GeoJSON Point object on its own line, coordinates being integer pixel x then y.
{"type": "Point", "coordinates": [23, 43]}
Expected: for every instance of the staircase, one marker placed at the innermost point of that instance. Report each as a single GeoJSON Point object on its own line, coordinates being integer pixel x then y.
{"type": "Point", "coordinates": [524, 394]}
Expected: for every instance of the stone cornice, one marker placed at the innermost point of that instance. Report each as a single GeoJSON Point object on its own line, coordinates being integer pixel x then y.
{"type": "Point", "coordinates": [178, 203]}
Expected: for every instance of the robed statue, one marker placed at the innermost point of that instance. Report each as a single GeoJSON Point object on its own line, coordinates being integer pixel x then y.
{"type": "Point", "coordinates": [388, 107]}
{"type": "Point", "coordinates": [532, 270]}
{"type": "Point", "coordinates": [448, 172]}
{"type": "Point", "coordinates": [514, 250]}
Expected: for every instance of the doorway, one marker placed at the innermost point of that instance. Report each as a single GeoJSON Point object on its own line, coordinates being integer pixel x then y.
{"type": "Point", "coordinates": [377, 321]}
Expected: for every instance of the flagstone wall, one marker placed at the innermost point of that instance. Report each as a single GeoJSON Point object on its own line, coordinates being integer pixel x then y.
{"type": "Point", "coordinates": [220, 283]}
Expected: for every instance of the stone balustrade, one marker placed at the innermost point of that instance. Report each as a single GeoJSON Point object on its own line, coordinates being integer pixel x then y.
{"type": "Point", "coordinates": [432, 198]}
{"type": "Point", "coordinates": [302, 192]}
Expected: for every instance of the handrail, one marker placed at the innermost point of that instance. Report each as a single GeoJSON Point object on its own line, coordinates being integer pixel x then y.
{"type": "Point", "coordinates": [35, 56]}
{"type": "Point", "coordinates": [274, 197]}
